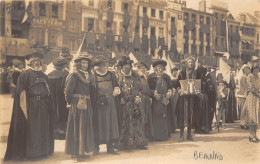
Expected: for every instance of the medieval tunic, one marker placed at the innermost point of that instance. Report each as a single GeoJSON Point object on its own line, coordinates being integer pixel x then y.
{"type": "Point", "coordinates": [105, 111]}
{"type": "Point", "coordinates": [160, 111]}
{"type": "Point", "coordinates": [131, 115]}
{"type": "Point", "coordinates": [57, 83]}
{"type": "Point", "coordinates": [231, 110]}
{"type": "Point", "coordinates": [146, 91]}
{"type": "Point", "coordinates": [31, 137]}
{"type": "Point", "coordinates": [79, 134]}
{"type": "Point", "coordinates": [188, 104]}
{"type": "Point", "coordinates": [204, 111]}
{"type": "Point", "coordinates": [174, 99]}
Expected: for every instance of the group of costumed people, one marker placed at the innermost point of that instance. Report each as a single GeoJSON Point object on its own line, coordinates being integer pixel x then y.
{"type": "Point", "coordinates": [122, 107]}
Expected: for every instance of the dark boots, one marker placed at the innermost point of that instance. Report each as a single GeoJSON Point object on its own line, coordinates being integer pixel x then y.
{"type": "Point", "coordinates": [189, 136]}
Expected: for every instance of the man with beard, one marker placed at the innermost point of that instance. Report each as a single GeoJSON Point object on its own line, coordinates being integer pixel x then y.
{"type": "Point", "coordinates": [57, 80]}
{"type": "Point", "coordinates": [131, 111]}
{"type": "Point", "coordinates": [30, 130]}
{"type": "Point", "coordinates": [189, 104]}
{"type": "Point", "coordinates": [146, 91]}
{"type": "Point", "coordinates": [105, 107]}
{"type": "Point", "coordinates": [160, 84]}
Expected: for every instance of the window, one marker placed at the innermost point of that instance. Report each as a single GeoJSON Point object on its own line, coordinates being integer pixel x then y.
{"type": "Point", "coordinates": [42, 9]}
{"type": "Point", "coordinates": [236, 29]}
{"type": "Point", "coordinates": [237, 43]}
{"type": "Point", "coordinates": [90, 24]}
{"type": "Point", "coordinates": [208, 37]}
{"type": "Point", "coordinates": [201, 19]}
{"type": "Point", "coordinates": [152, 31]}
{"type": "Point", "coordinates": [222, 16]}
{"type": "Point", "coordinates": [193, 18]}
{"type": "Point", "coordinates": [186, 16]}
{"type": "Point", "coordinates": [91, 3]}
{"type": "Point", "coordinates": [161, 31]}
{"type": "Point", "coordinates": [231, 28]}
{"type": "Point", "coordinates": [257, 38]}
{"type": "Point", "coordinates": [161, 14]}
{"type": "Point", "coordinates": [173, 19]}
{"type": "Point", "coordinates": [125, 7]}
{"type": "Point", "coordinates": [208, 20]}
{"type": "Point", "coordinates": [216, 42]}
{"type": "Point", "coordinates": [216, 15]}
{"type": "Point", "coordinates": [144, 10]}
{"type": "Point", "coordinates": [223, 42]}
{"type": "Point", "coordinates": [201, 37]}
{"type": "Point", "coordinates": [153, 12]}
{"type": "Point", "coordinates": [73, 24]}
{"type": "Point", "coordinates": [54, 11]}
{"type": "Point", "coordinates": [109, 4]}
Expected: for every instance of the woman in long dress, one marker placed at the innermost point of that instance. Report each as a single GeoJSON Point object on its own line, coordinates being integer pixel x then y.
{"type": "Point", "coordinates": [251, 106]}
{"type": "Point", "coordinates": [79, 134]}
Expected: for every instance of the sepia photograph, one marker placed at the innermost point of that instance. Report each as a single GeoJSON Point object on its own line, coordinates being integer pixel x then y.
{"type": "Point", "coordinates": [129, 81]}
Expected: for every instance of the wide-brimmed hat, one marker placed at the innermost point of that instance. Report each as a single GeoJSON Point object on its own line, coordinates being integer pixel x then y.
{"type": "Point", "coordinates": [123, 61]}
{"type": "Point", "coordinates": [60, 61]}
{"type": "Point", "coordinates": [190, 58]}
{"type": "Point", "coordinates": [83, 56]}
{"type": "Point", "coordinates": [17, 62]}
{"type": "Point", "coordinates": [159, 62]}
{"type": "Point", "coordinates": [99, 59]}
{"type": "Point", "coordinates": [34, 55]}
{"type": "Point", "coordinates": [65, 52]}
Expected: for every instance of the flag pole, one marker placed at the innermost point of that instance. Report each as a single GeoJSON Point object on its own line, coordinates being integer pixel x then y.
{"type": "Point", "coordinates": [227, 35]}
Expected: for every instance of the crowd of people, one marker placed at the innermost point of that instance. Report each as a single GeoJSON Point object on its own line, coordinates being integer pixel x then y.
{"type": "Point", "coordinates": [124, 106]}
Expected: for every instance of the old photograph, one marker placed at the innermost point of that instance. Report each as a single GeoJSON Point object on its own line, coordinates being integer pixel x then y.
{"type": "Point", "coordinates": [129, 81]}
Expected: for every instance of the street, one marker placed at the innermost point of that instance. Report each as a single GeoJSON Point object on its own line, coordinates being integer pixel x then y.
{"type": "Point", "coordinates": [231, 145]}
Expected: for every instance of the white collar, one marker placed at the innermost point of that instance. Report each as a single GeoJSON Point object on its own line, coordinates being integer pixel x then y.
{"type": "Point", "coordinates": [125, 74]}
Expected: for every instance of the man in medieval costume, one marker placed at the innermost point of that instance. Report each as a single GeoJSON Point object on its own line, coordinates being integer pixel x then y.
{"type": "Point", "coordinates": [57, 80]}
{"type": "Point", "coordinates": [142, 71]}
{"type": "Point", "coordinates": [131, 111]}
{"type": "Point", "coordinates": [160, 84]}
{"type": "Point", "coordinates": [105, 107]}
{"type": "Point", "coordinates": [174, 98]}
{"type": "Point", "coordinates": [79, 96]}
{"type": "Point", "coordinates": [188, 104]}
{"type": "Point", "coordinates": [30, 133]}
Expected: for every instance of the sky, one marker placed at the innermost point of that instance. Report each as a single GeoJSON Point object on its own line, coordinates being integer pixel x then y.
{"type": "Point", "coordinates": [234, 6]}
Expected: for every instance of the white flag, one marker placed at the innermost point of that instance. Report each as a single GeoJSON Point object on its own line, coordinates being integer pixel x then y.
{"type": "Point", "coordinates": [225, 69]}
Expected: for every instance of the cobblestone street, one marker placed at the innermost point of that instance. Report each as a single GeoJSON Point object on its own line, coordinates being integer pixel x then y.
{"type": "Point", "coordinates": [231, 145]}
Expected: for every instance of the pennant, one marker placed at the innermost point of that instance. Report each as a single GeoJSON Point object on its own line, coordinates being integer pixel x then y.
{"type": "Point", "coordinates": [168, 67]}
{"type": "Point", "coordinates": [151, 70]}
{"type": "Point", "coordinates": [26, 12]}
{"type": "Point", "coordinates": [225, 69]}
{"type": "Point", "coordinates": [132, 57]}
{"type": "Point", "coordinates": [197, 64]}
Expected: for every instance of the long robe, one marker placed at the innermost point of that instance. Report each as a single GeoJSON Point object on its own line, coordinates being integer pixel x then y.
{"type": "Point", "coordinates": [31, 137]}
{"type": "Point", "coordinates": [57, 84]}
{"type": "Point", "coordinates": [174, 105]}
{"type": "Point", "coordinates": [160, 112]}
{"type": "Point", "coordinates": [131, 115]}
{"type": "Point", "coordinates": [105, 109]}
{"type": "Point", "coordinates": [231, 110]}
{"type": "Point", "coordinates": [79, 134]}
{"type": "Point", "coordinates": [188, 104]}
{"type": "Point", "coordinates": [146, 91]}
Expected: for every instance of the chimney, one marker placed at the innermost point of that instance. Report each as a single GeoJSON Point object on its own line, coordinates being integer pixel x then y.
{"type": "Point", "coordinates": [257, 14]}
{"type": "Point", "coordinates": [243, 17]}
{"type": "Point", "coordinates": [202, 5]}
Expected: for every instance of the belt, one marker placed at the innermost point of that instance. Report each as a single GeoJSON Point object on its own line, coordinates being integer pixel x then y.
{"type": "Point", "coordinates": [38, 97]}
{"type": "Point", "coordinates": [81, 96]}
